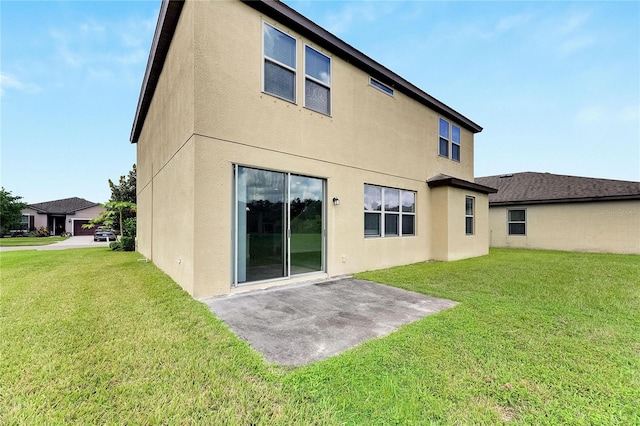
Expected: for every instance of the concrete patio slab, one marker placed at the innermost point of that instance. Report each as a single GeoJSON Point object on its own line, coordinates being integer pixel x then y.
{"type": "Point", "coordinates": [298, 324]}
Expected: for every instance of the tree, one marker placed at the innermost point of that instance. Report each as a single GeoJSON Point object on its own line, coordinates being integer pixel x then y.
{"type": "Point", "coordinates": [120, 211]}
{"type": "Point", "coordinates": [125, 190]}
{"type": "Point", "coordinates": [10, 210]}
{"type": "Point", "coordinates": [114, 211]}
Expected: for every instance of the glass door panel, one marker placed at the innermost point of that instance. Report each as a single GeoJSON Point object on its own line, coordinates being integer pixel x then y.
{"type": "Point", "coordinates": [279, 225]}
{"type": "Point", "coordinates": [261, 225]}
{"type": "Point", "coordinates": [305, 215]}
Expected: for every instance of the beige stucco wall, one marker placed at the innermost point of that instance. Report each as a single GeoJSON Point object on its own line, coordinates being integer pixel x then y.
{"type": "Point", "coordinates": [209, 113]}
{"type": "Point", "coordinates": [165, 162]}
{"type": "Point", "coordinates": [449, 240]}
{"type": "Point", "coordinates": [608, 227]}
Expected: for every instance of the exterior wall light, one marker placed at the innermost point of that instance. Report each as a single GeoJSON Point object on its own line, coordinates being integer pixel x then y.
{"type": "Point", "coordinates": [336, 201]}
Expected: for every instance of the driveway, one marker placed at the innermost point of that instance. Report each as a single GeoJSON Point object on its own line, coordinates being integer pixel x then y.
{"type": "Point", "coordinates": [82, 241]}
{"type": "Point", "coordinates": [298, 324]}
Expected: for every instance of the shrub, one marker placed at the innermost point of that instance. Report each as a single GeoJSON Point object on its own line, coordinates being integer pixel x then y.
{"type": "Point", "coordinates": [43, 231]}
{"type": "Point", "coordinates": [128, 243]}
{"type": "Point", "coordinates": [129, 227]}
{"type": "Point", "coordinates": [115, 246]}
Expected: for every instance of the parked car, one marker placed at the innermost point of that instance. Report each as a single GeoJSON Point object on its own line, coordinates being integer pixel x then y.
{"type": "Point", "coordinates": [103, 233]}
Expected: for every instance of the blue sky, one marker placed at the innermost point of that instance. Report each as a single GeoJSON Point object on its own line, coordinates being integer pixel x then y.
{"type": "Point", "coordinates": [556, 85]}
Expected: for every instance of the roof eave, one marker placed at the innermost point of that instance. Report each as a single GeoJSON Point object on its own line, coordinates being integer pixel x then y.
{"type": "Point", "coordinates": [289, 17]}
{"type": "Point", "coordinates": [566, 200]}
{"type": "Point", "coordinates": [167, 21]}
{"type": "Point", "coordinates": [461, 184]}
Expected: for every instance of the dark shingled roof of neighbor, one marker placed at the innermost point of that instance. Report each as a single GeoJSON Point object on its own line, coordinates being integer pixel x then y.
{"type": "Point", "coordinates": [64, 206]}
{"type": "Point", "coordinates": [545, 188]}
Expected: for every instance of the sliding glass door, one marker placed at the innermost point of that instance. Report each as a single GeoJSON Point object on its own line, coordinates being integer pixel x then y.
{"type": "Point", "coordinates": [278, 225]}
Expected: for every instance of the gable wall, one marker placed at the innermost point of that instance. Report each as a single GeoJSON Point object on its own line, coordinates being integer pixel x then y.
{"type": "Point", "coordinates": [165, 162]}
{"type": "Point", "coordinates": [368, 129]}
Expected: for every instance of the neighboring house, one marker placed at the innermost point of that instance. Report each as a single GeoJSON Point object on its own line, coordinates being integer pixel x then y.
{"type": "Point", "coordinates": [269, 152]}
{"type": "Point", "coordinates": [60, 216]}
{"type": "Point", "coordinates": [557, 212]}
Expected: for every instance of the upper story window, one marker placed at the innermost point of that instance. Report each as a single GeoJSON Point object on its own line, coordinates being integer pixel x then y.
{"type": "Point", "coordinates": [317, 81]}
{"type": "Point", "coordinates": [449, 140]}
{"type": "Point", "coordinates": [517, 222]}
{"type": "Point", "coordinates": [380, 86]}
{"type": "Point", "coordinates": [469, 214]}
{"type": "Point", "coordinates": [279, 63]}
{"type": "Point", "coordinates": [389, 212]}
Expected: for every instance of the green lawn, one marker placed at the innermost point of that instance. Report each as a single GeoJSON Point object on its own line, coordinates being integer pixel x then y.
{"type": "Point", "coordinates": [29, 241]}
{"type": "Point", "coordinates": [91, 336]}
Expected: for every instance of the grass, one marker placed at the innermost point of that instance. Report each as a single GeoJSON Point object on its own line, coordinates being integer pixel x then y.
{"type": "Point", "coordinates": [92, 336]}
{"type": "Point", "coordinates": [29, 241]}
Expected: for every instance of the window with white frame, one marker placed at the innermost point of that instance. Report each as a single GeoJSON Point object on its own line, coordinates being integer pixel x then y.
{"type": "Point", "coordinates": [279, 63]}
{"type": "Point", "coordinates": [380, 86]}
{"type": "Point", "coordinates": [469, 215]}
{"type": "Point", "coordinates": [389, 212]}
{"type": "Point", "coordinates": [448, 140]}
{"type": "Point", "coordinates": [517, 221]}
{"type": "Point", "coordinates": [317, 81]}
{"type": "Point", "coordinates": [24, 222]}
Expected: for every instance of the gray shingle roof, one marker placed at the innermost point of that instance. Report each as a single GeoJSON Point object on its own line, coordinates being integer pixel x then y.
{"type": "Point", "coordinates": [544, 188]}
{"type": "Point", "coordinates": [446, 180]}
{"type": "Point", "coordinates": [64, 206]}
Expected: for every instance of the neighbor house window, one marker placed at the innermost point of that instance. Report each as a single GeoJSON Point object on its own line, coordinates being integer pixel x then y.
{"type": "Point", "coordinates": [317, 81]}
{"type": "Point", "coordinates": [389, 212]}
{"type": "Point", "coordinates": [517, 222]}
{"type": "Point", "coordinates": [469, 214]}
{"type": "Point", "coordinates": [279, 63]}
{"type": "Point", "coordinates": [380, 86]}
{"type": "Point", "coordinates": [448, 140]}
{"type": "Point", "coordinates": [24, 222]}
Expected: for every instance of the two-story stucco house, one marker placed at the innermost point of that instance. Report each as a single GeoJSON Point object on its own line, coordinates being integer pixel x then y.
{"type": "Point", "coordinates": [271, 152]}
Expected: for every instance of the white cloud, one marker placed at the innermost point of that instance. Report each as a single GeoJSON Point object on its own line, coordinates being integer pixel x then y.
{"type": "Point", "coordinates": [342, 21]}
{"type": "Point", "coordinates": [571, 33]}
{"type": "Point", "coordinates": [600, 115]}
{"type": "Point", "coordinates": [510, 22]}
{"type": "Point", "coordinates": [590, 115]}
{"type": "Point", "coordinates": [629, 114]}
{"type": "Point", "coordinates": [574, 22]}
{"type": "Point", "coordinates": [8, 81]}
{"type": "Point", "coordinates": [91, 26]}
{"type": "Point", "coordinates": [103, 49]}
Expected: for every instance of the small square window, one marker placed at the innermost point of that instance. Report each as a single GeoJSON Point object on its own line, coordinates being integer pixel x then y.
{"type": "Point", "coordinates": [380, 86]}
{"type": "Point", "coordinates": [517, 222]}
